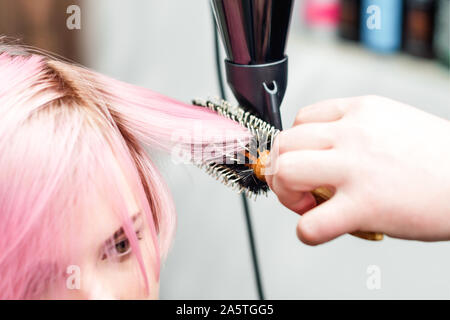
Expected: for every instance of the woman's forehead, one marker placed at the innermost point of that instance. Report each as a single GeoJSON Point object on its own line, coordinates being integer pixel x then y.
{"type": "Point", "coordinates": [107, 214]}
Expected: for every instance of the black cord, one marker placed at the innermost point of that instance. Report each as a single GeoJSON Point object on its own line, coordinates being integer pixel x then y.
{"type": "Point", "coordinates": [244, 198]}
{"type": "Point", "coordinates": [251, 239]}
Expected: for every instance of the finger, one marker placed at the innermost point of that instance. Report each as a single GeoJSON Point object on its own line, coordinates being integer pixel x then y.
{"type": "Point", "coordinates": [269, 180]}
{"type": "Point", "coordinates": [327, 221]}
{"type": "Point", "coordinates": [324, 111]}
{"type": "Point", "coordinates": [306, 170]}
{"type": "Point", "coordinates": [310, 136]}
{"type": "Point", "coordinates": [299, 202]}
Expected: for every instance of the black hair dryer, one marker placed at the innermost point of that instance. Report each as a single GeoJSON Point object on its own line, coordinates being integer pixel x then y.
{"type": "Point", "coordinates": [254, 34]}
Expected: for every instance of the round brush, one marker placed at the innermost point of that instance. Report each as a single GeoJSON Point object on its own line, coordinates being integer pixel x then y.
{"type": "Point", "coordinates": [245, 171]}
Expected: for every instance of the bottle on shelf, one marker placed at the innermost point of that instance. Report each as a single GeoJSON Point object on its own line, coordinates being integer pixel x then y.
{"type": "Point", "coordinates": [381, 25]}
{"type": "Point", "coordinates": [419, 27]}
{"type": "Point", "coordinates": [349, 19]}
{"type": "Point", "coordinates": [442, 32]}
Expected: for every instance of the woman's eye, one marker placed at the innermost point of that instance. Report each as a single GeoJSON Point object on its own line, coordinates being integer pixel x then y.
{"type": "Point", "coordinates": [120, 249]}
{"type": "Point", "coordinates": [123, 247]}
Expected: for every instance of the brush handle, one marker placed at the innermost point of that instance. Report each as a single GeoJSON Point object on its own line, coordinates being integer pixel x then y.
{"type": "Point", "coordinates": [322, 194]}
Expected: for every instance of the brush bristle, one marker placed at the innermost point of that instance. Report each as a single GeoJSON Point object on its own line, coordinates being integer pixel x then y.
{"type": "Point", "coordinates": [233, 170]}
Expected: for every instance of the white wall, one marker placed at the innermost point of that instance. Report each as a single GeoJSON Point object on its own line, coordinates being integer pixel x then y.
{"type": "Point", "coordinates": [167, 46]}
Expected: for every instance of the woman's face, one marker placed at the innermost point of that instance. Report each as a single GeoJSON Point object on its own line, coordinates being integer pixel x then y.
{"type": "Point", "coordinates": [100, 276]}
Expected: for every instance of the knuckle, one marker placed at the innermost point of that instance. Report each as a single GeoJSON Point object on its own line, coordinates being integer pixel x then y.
{"type": "Point", "coordinates": [343, 132]}
{"type": "Point", "coordinates": [353, 136]}
{"type": "Point", "coordinates": [341, 104]}
{"type": "Point", "coordinates": [284, 169]}
{"type": "Point", "coordinates": [330, 131]}
{"type": "Point", "coordinates": [366, 102]}
{"type": "Point", "coordinates": [279, 143]}
{"type": "Point", "coordinates": [299, 116]}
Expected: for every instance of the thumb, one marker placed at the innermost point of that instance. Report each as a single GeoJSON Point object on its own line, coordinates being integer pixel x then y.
{"type": "Point", "coordinates": [327, 221]}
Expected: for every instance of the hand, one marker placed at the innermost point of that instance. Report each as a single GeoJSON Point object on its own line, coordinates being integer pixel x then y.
{"type": "Point", "coordinates": [388, 163]}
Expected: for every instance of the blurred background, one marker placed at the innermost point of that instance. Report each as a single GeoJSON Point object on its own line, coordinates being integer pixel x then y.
{"type": "Point", "coordinates": [168, 46]}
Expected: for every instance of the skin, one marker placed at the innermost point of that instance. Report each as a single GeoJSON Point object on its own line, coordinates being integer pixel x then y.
{"type": "Point", "coordinates": [107, 277]}
{"type": "Point", "coordinates": [387, 162]}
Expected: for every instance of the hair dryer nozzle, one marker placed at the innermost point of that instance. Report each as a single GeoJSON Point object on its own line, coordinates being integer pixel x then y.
{"type": "Point", "coordinates": [254, 34]}
{"type": "Point", "coordinates": [259, 87]}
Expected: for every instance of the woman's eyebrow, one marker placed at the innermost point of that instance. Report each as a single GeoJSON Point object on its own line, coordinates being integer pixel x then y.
{"type": "Point", "coordinates": [118, 233]}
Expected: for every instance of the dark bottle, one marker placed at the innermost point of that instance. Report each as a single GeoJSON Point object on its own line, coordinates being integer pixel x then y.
{"type": "Point", "coordinates": [419, 27]}
{"type": "Point", "coordinates": [442, 32]}
{"type": "Point", "coordinates": [349, 19]}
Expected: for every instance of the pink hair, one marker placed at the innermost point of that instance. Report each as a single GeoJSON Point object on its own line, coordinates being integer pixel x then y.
{"type": "Point", "coordinates": [64, 132]}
